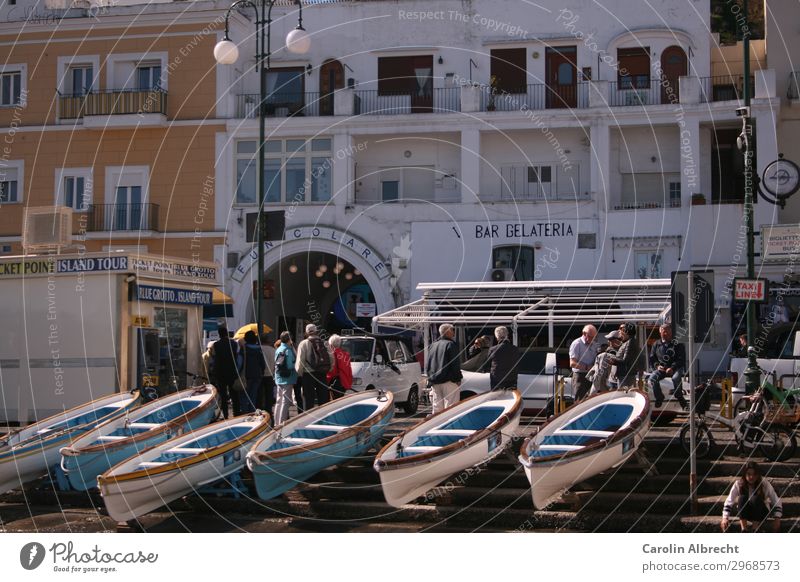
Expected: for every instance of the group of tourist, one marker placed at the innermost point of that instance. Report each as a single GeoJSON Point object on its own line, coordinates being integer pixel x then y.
{"type": "Point", "coordinates": [597, 366]}
{"type": "Point", "coordinates": [256, 375]}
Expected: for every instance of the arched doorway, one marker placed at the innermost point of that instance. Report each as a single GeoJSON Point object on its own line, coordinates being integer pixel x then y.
{"type": "Point", "coordinates": [294, 291]}
{"type": "Point", "coordinates": [674, 65]}
{"type": "Point", "coordinates": [331, 78]}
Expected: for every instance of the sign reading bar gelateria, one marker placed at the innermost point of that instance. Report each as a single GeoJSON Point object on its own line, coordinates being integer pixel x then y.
{"type": "Point", "coordinates": [348, 243]}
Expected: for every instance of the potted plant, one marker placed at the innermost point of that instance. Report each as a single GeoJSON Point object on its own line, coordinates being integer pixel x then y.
{"type": "Point", "coordinates": [490, 106]}
{"type": "Point", "coordinates": [698, 199]}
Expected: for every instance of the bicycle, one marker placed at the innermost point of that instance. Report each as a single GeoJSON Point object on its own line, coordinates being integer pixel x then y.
{"type": "Point", "coordinates": [704, 438]}
{"type": "Point", "coordinates": [754, 430]}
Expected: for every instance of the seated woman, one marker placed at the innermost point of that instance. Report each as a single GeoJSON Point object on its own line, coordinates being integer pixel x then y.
{"type": "Point", "coordinates": [754, 501]}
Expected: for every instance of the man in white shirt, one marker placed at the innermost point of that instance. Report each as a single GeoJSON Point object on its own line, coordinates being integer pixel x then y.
{"type": "Point", "coordinates": [582, 354]}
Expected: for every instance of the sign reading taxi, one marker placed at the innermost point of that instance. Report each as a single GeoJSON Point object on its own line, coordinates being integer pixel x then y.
{"type": "Point", "coordinates": [750, 290]}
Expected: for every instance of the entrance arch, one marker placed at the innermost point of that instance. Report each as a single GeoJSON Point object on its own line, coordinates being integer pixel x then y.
{"type": "Point", "coordinates": [276, 254]}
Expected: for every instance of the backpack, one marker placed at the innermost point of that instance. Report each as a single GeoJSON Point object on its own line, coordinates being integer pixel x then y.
{"type": "Point", "coordinates": [281, 365]}
{"type": "Point", "coordinates": [318, 357]}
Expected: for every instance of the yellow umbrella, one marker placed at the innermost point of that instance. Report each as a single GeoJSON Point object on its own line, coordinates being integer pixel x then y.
{"type": "Point", "coordinates": [251, 327]}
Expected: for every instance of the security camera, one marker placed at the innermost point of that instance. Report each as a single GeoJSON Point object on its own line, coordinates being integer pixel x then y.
{"type": "Point", "coordinates": [743, 112]}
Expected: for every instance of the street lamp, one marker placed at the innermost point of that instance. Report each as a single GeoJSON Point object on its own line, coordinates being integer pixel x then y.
{"type": "Point", "coordinates": [226, 53]}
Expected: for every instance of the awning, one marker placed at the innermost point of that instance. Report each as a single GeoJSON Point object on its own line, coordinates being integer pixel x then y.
{"type": "Point", "coordinates": [534, 303]}
{"type": "Point", "coordinates": [221, 306]}
{"type": "Point", "coordinates": [220, 298]}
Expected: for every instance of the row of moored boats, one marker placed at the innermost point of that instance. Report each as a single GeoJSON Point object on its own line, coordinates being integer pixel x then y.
{"type": "Point", "coordinates": [142, 455]}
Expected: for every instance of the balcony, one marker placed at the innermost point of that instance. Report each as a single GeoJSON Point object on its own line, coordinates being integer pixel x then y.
{"type": "Point", "coordinates": [536, 97]}
{"type": "Point", "coordinates": [724, 88]}
{"type": "Point", "coordinates": [115, 108]}
{"type": "Point", "coordinates": [285, 105]}
{"type": "Point", "coordinates": [122, 217]}
{"type": "Point", "coordinates": [440, 100]}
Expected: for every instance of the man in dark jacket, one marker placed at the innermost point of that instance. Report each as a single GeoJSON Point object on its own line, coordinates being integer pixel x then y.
{"type": "Point", "coordinates": [502, 362]}
{"type": "Point", "coordinates": [225, 369]}
{"type": "Point", "coordinates": [668, 360]}
{"type": "Point", "coordinates": [444, 369]}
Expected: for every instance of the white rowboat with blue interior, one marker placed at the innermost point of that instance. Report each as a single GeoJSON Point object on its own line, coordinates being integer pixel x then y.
{"type": "Point", "coordinates": [116, 440]}
{"type": "Point", "coordinates": [322, 437]}
{"type": "Point", "coordinates": [27, 454]}
{"type": "Point", "coordinates": [179, 466]}
{"type": "Point", "coordinates": [593, 436]}
{"type": "Point", "coordinates": [462, 436]}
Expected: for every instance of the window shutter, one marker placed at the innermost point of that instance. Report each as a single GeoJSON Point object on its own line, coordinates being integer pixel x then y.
{"type": "Point", "coordinates": [508, 67]}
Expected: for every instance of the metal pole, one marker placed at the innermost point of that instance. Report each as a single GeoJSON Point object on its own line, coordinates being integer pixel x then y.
{"type": "Point", "coordinates": [749, 152]}
{"type": "Point", "coordinates": [262, 57]}
{"type": "Point", "coordinates": [692, 426]}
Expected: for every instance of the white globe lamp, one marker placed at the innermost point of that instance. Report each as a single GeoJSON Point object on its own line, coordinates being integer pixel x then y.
{"type": "Point", "coordinates": [298, 41]}
{"type": "Point", "coordinates": [226, 52]}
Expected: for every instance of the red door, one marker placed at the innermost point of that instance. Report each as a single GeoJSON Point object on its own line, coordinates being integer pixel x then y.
{"type": "Point", "coordinates": [562, 77]}
{"type": "Point", "coordinates": [331, 78]}
{"type": "Point", "coordinates": [673, 66]}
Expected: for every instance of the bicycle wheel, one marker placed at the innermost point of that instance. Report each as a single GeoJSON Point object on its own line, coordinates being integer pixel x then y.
{"type": "Point", "coordinates": [704, 440]}
{"type": "Point", "coordinates": [778, 445]}
{"type": "Point", "coordinates": [741, 406]}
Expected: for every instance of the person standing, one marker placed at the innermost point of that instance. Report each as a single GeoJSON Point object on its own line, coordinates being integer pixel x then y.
{"type": "Point", "coordinates": [285, 377]}
{"type": "Point", "coordinates": [630, 359]}
{"type": "Point", "coordinates": [754, 501]}
{"type": "Point", "coordinates": [253, 366]}
{"type": "Point", "coordinates": [502, 362]}
{"type": "Point", "coordinates": [267, 395]}
{"type": "Point", "coordinates": [313, 365]}
{"type": "Point", "coordinates": [225, 370]}
{"type": "Point", "coordinates": [582, 354]}
{"type": "Point", "coordinates": [340, 376]}
{"type": "Point", "coordinates": [667, 360]}
{"type": "Point", "coordinates": [444, 369]}
{"type": "Point", "coordinates": [740, 349]}
{"type": "Point", "coordinates": [601, 372]}
{"type": "Point", "coordinates": [208, 362]}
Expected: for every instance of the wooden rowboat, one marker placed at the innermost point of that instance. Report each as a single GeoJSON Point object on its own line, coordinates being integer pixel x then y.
{"type": "Point", "coordinates": [322, 437]}
{"type": "Point", "coordinates": [118, 439]}
{"type": "Point", "coordinates": [593, 436]}
{"type": "Point", "coordinates": [27, 454]}
{"type": "Point", "coordinates": [462, 436]}
{"type": "Point", "coordinates": [179, 466]}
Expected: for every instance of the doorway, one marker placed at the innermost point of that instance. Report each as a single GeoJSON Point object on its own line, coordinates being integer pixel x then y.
{"type": "Point", "coordinates": [674, 65]}
{"type": "Point", "coordinates": [331, 79]}
{"type": "Point", "coordinates": [562, 77]}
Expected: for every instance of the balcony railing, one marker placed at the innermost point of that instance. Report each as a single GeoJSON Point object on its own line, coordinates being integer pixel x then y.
{"type": "Point", "coordinates": [440, 100]}
{"type": "Point", "coordinates": [634, 94]}
{"type": "Point", "coordinates": [672, 203]}
{"type": "Point", "coordinates": [290, 104]}
{"type": "Point", "coordinates": [536, 97]}
{"type": "Point", "coordinates": [724, 88]}
{"type": "Point", "coordinates": [112, 102]}
{"type": "Point", "coordinates": [122, 217]}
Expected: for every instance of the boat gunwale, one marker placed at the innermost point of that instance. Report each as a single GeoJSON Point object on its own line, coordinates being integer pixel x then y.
{"type": "Point", "coordinates": [207, 454]}
{"type": "Point", "coordinates": [633, 427]}
{"type": "Point", "coordinates": [424, 458]}
{"type": "Point", "coordinates": [170, 424]}
{"type": "Point", "coordinates": [260, 457]}
{"type": "Point", "coordinates": [33, 446]}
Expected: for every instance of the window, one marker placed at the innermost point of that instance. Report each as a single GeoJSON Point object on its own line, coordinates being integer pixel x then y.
{"type": "Point", "coordinates": [128, 209]}
{"type": "Point", "coordinates": [648, 190]}
{"type": "Point", "coordinates": [285, 88]}
{"type": "Point", "coordinates": [587, 240]}
{"type": "Point", "coordinates": [294, 170]}
{"type": "Point", "coordinates": [634, 68]}
{"type": "Point", "coordinates": [518, 257]}
{"type": "Point", "coordinates": [81, 79]}
{"type": "Point", "coordinates": [390, 190]}
{"type": "Point", "coordinates": [148, 77]}
{"type": "Point", "coordinates": [727, 168]}
{"type": "Point", "coordinates": [412, 75]}
{"type": "Point", "coordinates": [73, 188]}
{"type": "Point", "coordinates": [508, 69]}
{"type": "Point", "coordinates": [11, 88]}
{"type": "Point", "coordinates": [649, 265]}
{"type": "Point", "coordinates": [10, 182]}
{"type": "Point", "coordinates": [674, 194]}
{"type": "Point", "coordinates": [126, 195]}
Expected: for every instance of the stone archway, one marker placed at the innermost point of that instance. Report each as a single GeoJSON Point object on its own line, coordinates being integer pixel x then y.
{"type": "Point", "coordinates": [372, 267]}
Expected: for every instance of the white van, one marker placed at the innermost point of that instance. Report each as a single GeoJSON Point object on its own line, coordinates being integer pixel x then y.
{"type": "Point", "coordinates": [385, 362]}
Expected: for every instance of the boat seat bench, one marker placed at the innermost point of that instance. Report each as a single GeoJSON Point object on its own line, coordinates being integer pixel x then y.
{"type": "Point", "coordinates": [297, 440]}
{"type": "Point", "coordinates": [588, 433]}
{"type": "Point", "coordinates": [111, 438]}
{"type": "Point", "coordinates": [187, 450]}
{"type": "Point", "coordinates": [451, 431]}
{"type": "Point", "coordinates": [150, 464]}
{"type": "Point", "coordinates": [334, 427]}
{"type": "Point", "coordinates": [147, 425]}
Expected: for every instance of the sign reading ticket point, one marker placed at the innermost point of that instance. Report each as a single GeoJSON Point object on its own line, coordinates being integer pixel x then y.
{"type": "Point", "coordinates": [750, 290]}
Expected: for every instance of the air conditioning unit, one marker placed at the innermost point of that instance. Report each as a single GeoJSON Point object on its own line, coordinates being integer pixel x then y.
{"type": "Point", "coordinates": [232, 260]}
{"type": "Point", "coordinates": [502, 274]}
{"type": "Point", "coordinates": [47, 228]}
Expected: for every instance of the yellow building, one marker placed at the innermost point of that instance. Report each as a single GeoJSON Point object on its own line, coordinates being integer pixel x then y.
{"type": "Point", "coordinates": [113, 113]}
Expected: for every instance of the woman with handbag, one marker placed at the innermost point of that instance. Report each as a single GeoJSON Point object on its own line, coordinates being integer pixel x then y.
{"type": "Point", "coordinates": [340, 376]}
{"type": "Point", "coordinates": [285, 377]}
{"type": "Point", "coordinates": [253, 366]}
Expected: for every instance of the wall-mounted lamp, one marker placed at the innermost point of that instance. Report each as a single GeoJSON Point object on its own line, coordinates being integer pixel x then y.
{"type": "Point", "coordinates": [240, 218]}
{"type": "Point", "coordinates": [309, 68]}
{"type": "Point", "coordinates": [653, 159]}
{"type": "Point", "coordinates": [440, 61]}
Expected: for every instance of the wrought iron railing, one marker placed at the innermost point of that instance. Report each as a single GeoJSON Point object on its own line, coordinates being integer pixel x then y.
{"type": "Point", "coordinates": [634, 92]}
{"type": "Point", "coordinates": [535, 97]}
{"type": "Point", "coordinates": [288, 104]}
{"type": "Point", "coordinates": [122, 217]}
{"type": "Point", "coordinates": [724, 88]}
{"type": "Point", "coordinates": [439, 100]}
{"type": "Point", "coordinates": [112, 102]}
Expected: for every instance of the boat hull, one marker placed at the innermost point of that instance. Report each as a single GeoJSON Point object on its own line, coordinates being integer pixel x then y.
{"type": "Point", "coordinates": [22, 461]}
{"type": "Point", "coordinates": [282, 474]}
{"type": "Point", "coordinates": [130, 495]}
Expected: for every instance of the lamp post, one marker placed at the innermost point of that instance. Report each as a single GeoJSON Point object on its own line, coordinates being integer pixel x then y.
{"type": "Point", "coordinates": [226, 53]}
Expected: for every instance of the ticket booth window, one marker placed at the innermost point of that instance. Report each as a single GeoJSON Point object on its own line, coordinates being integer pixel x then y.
{"type": "Point", "coordinates": [172, 327]}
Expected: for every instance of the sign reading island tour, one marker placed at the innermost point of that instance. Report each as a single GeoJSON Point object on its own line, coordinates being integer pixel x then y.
{"type": "Point", "coordinates": [172, 295]}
